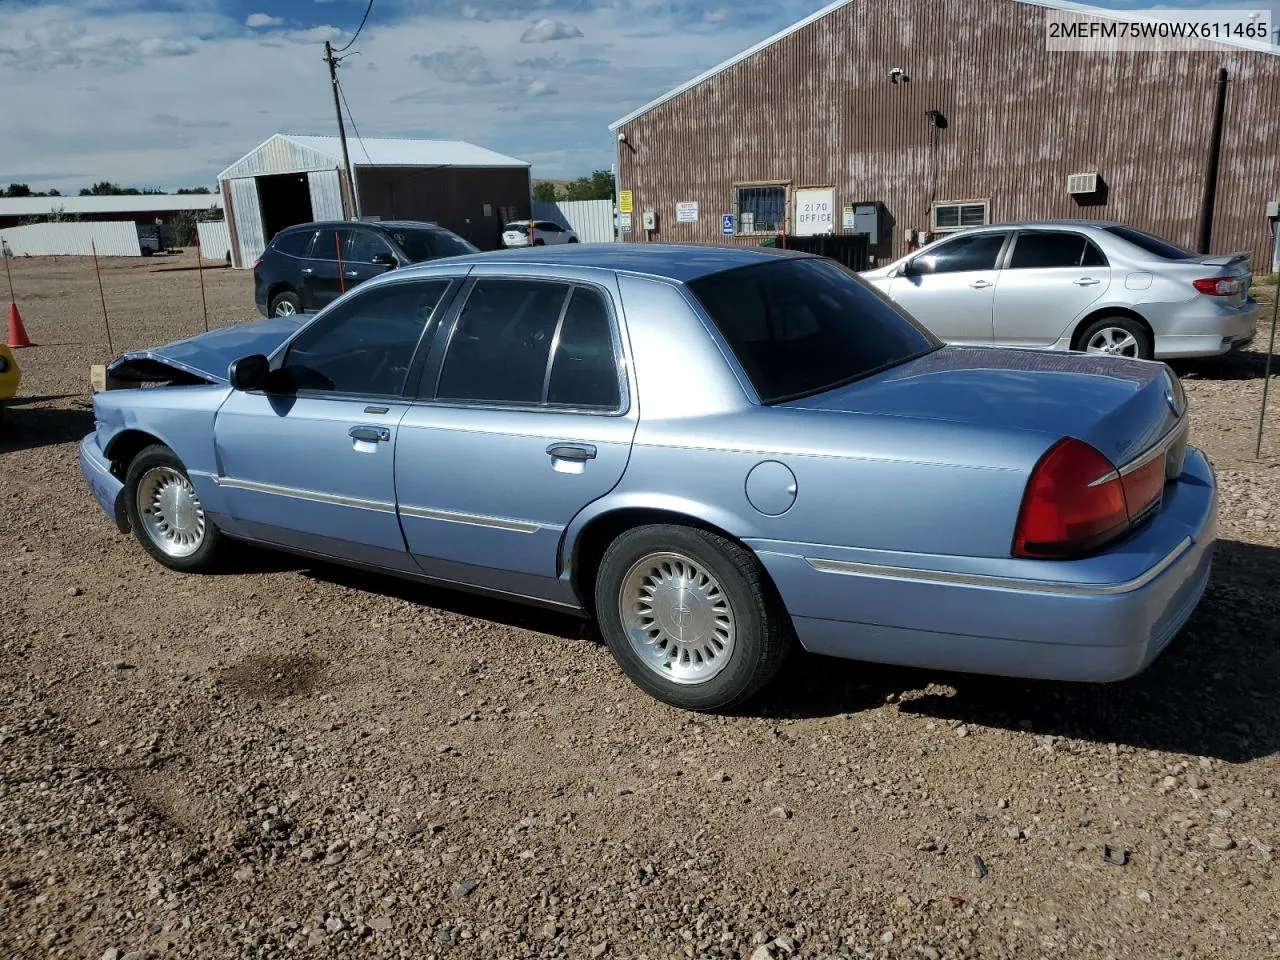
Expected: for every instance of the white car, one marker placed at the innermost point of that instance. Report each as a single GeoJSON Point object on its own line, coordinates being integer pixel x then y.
{"type": "Point", "coordinates": [1075, 285]}
{"type": "Point", "coordinates": [544, 233]}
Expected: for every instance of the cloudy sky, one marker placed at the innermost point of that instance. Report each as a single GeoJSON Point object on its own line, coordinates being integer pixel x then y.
{"type": "Point", "coordinates": [168, 92]}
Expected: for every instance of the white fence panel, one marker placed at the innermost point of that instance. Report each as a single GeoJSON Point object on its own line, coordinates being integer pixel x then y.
{"type": "Point", "coordinates": [326, 194]}
{"type": "Point", "coordinates": [248, 217]}
{"type": "Point", "coordinates": [592, 220]}
{"type": "Point", "coordinates": [113, 238]}
{"type": "Point", "coordinates": [215, 239]}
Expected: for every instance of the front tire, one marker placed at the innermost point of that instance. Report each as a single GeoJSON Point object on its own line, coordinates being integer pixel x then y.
{"type": "Point", "coordinates": [690, 616]}
{"type": "Point", "coordinates": [1117, 336]}
{"type": "Point", "coordinates": [165, 513]}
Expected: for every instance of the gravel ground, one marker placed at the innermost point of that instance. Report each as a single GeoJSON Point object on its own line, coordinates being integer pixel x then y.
{"type": "Point", "coordinates": [298, 760]}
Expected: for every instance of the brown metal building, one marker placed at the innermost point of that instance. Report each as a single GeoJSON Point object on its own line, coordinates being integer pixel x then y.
{"type": "Point", "coordinates": [928, 115]}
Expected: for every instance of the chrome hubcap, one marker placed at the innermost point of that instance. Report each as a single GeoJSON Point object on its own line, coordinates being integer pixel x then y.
{"type": "Point", "coordinates": [677, 618]}
{"type": "Point", "coordinates": [1116, 341]}
{"type": "Point", "coordinates": [171, 512]}
{"type": "Point", "coordinates": [284, 309]}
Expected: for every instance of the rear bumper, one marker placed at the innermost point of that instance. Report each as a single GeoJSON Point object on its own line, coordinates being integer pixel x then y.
{"type": "Point", "coordinates": [1087, 626]}
{"type": "Point", "coordinates": [1205, 329]}
{"type": "Point", "coordinates": [106, 487]}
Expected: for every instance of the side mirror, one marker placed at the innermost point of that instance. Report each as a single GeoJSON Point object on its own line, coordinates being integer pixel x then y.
{"type": "Point", "coordinates": [909, 269]}
{"type": "Point", "coordinates": [249, 373]}
{"type": "Point", "coordinates": [386, 260]}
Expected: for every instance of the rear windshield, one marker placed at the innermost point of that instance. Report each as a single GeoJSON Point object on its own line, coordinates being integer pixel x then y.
{"type": "Point", "coordinates": [1153, 245]}
{"type": "Point", "coordinates": [806, 325]}
{"type": "Point", "coordinates": [430, 244]}
{"type": "Point", "coordinates": [518, 225]}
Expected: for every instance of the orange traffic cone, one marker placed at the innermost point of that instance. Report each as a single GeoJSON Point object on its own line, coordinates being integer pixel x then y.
{"type": "Point", "coordinates": [17, 332]}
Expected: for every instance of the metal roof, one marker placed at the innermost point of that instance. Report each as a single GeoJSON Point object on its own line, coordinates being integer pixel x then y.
{"type": "Point", "coordinates": [669, 261]}
{"type": "Point", "coordinates": [147, 203]}
{"type": "Point", "coordinates": [1064, 5]}
{"type": "Point", "coordinates": [311, 151]}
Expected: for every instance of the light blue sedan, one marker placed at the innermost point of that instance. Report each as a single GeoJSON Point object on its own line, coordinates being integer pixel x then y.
{"type": "Point", "coordinates": [714, 452]}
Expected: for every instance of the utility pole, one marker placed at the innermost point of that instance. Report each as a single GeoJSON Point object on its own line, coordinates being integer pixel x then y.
{"type": "Point", "coordinates": [350, 191]}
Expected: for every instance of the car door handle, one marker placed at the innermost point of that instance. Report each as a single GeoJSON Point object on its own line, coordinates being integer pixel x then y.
{"type": "Point", "coordinates": [306, 271]}
{"type": "Point", "coordinates": [572, 451]}
{"type": "Point", "coordinates": [353, 273]}
{"type": "Point", "coordinates": [372, 434]}
{"type": "Point", "coordinates": [981, 284]}
{"type": "Point", "coordinates": [1085, 282]}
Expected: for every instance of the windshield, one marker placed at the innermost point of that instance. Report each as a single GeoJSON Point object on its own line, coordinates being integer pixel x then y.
{"type": "Point", "coordinates": [806, 325]}
{"type": "Point", "coordinates": [430, 244]}
{"type": "Point", "coordinates": [1152, 245]}
{"type": "Point", "coordinates": [518, 225]}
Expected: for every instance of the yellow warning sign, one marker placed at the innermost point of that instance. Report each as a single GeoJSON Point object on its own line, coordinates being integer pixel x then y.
{"type": "Point", "coordinates": [625, 204]}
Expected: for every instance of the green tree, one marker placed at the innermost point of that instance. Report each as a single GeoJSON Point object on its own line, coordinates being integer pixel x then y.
{"type": "Point", "coordinates": [53, 193]}
{"type": "Point", "coordinates": [17, 190]}
{"type": "Point", "coordinates": [544, 192]}
{"type": "Point", "coordinates": [598, 186]}
{"type": "Point", "coordinates": [188, 191]}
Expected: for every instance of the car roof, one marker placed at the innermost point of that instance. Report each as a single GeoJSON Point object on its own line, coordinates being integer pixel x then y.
{"type": "Point", "coordinates": [376, 224]}
{"type": "Point", "coordinates": [1055, 224]}
{"type": "Point", "coordinates": [669, 261]}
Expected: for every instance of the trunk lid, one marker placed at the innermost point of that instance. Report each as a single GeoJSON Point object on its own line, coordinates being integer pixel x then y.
{"type": "Point", "coordinates": [1120, 407]}
{"type": "Point", "coordinates": [208, 355]}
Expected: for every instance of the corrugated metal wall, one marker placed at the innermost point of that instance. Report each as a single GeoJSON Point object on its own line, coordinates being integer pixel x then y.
{"type": "Point", "coordinates": [454, 197]}
{"type": "Point", "coordinates": [817, 109]}
{"type": "Point", "coordinates": [326, 194]}
{"type": "Point", "coordinates": [248, 216]}
{"type": "Point", "coordinates": [592, 220]}
{"type": "Point", "coordinates": [277, 155]}
{"type": "Point", "coordinates": [113, 238]}
{"type": "Point", "coordinates": [215, 239]}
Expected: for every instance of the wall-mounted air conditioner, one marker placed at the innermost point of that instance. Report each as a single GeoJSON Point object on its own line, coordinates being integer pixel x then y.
{"type": "Point", "coordinates": [1082, 183]}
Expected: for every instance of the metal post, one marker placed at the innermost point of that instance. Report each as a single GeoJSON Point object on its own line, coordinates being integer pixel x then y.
{"type": "Point", "coordinates": [342, 280]}
{"type": "Point", "coordinates": [4, 255]}
{"type": "Point", "coordinates": [1266, 371]}
{"type": "Point", "coordinates": [1211, 169]}
{"type": "Point", "coordinates": [204, 303]}
{"type": "Point", "coordinates": [98, 270]}
{"type": "Point", "coordinates": [350, 192]}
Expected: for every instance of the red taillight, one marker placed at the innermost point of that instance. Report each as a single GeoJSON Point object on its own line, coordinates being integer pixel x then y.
{"type": "Point", "coordinates": [256, 262]}
{"type": "Point", "coordinates": [1219, 286]}
{"type": "Point", "coordinates": [1075, 502]}
{"type": "Point", "coordinates": [1143, 487]}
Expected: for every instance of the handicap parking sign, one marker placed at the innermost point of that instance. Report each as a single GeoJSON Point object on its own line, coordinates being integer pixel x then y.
{"type": "Point", "coordinates": [726, 224]}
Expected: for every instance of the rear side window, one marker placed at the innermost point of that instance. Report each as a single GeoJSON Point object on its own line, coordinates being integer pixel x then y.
{"type": "Point", "coordinates": [1151, 244]}
{"type": "Point", "coordinates": [533, 343]}
{"type": "Point", "coordinates": [975, 252]}
{"type": "Point", "coordinates": [1042, 250]}
{"type": "Point", "coordinates": [799, 327]}
{"type": "Point", "coordinates": [421, 245]}
{"type": "Point", "coordinates": [295, 243]}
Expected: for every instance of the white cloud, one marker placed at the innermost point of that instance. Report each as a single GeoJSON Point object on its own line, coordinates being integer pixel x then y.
{"type": "Point", "coordinates": [463, 65]}
{"type": "Point", "coordinates": [546, 30]}
{"type": "Point", "coordinates": [262, 20]}
{"type": "Point", "coordinates": [718, 15]}
{"type": "Point", "coordinates": [540, 88]}
{"type": "Point", "coordinates": [315, 34]}
{"type": "Point", "coordinates": [165, 47]}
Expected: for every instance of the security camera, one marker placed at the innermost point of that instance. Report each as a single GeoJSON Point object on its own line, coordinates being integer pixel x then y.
{"type": "Point", "coordinates": [897, 72]}
{"type": "Point", "coordinates": [622, 138]}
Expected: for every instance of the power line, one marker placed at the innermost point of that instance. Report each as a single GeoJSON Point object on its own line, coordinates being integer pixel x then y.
{"type": "Point", "coordinates": [351, 117]}
{"type": "Point", "coordinates": [358, 29]}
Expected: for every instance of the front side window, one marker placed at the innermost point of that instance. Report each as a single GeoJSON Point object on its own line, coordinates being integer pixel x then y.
{"type": "Point", "coordinates": [330, 241]}
{"type": "Point", "coordinates": [532, 343]}
{"type": "Point", "coordinates": [1044, 249]}
{"type": "Point", "coordinates": [802, 326]}
{"type": "Point", "coordinates": [760, 209]}
{"type": "Point", "coordinates": [363, 246]}
{"type": "Point", "coordinates": [963, 254]}
{"type": "Point", "coordinates": [364, 346]}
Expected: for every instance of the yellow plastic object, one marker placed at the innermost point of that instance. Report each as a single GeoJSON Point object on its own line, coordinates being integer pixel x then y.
{"type": "Point", "coordinates": [10, 374]}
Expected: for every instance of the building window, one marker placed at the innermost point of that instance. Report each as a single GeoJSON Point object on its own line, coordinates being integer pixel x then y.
{"type": "Point", "coordinates": [954, 215]}
{"type": "Point", "coordinates": [760, 209]}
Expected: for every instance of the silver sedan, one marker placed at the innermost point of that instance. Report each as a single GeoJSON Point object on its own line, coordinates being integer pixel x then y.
{"type": "Point", "coordinates": [1075, 285]}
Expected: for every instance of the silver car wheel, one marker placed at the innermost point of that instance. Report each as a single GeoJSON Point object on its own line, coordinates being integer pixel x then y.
{"type": "Point", "coordinates": [171, 513]}
{"type": "Point", "coordinates": [1116, 341]}
{"type": "Point", "coordinates": [284, 309]}
{"type": "Point", "coordinates": [677, 618]}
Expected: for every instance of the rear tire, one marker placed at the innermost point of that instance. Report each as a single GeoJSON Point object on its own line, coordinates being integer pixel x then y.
{"type": "Point", "coordinates": [285, 304]}
{"type": "Point", "coordinates": [165, 513]}
{"type": "Point", "coordinates": [690, 616]}
{"type": "Point", "coordinates": [1116, 336]}
{"type": "Point", "coordinates": [539, 242]}
{"type": "Point", "coordinates": [573, 240]}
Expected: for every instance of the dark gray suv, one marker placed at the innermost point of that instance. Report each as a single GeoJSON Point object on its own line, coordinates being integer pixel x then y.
{"type": "Point", "coordinates": [308, 265]}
